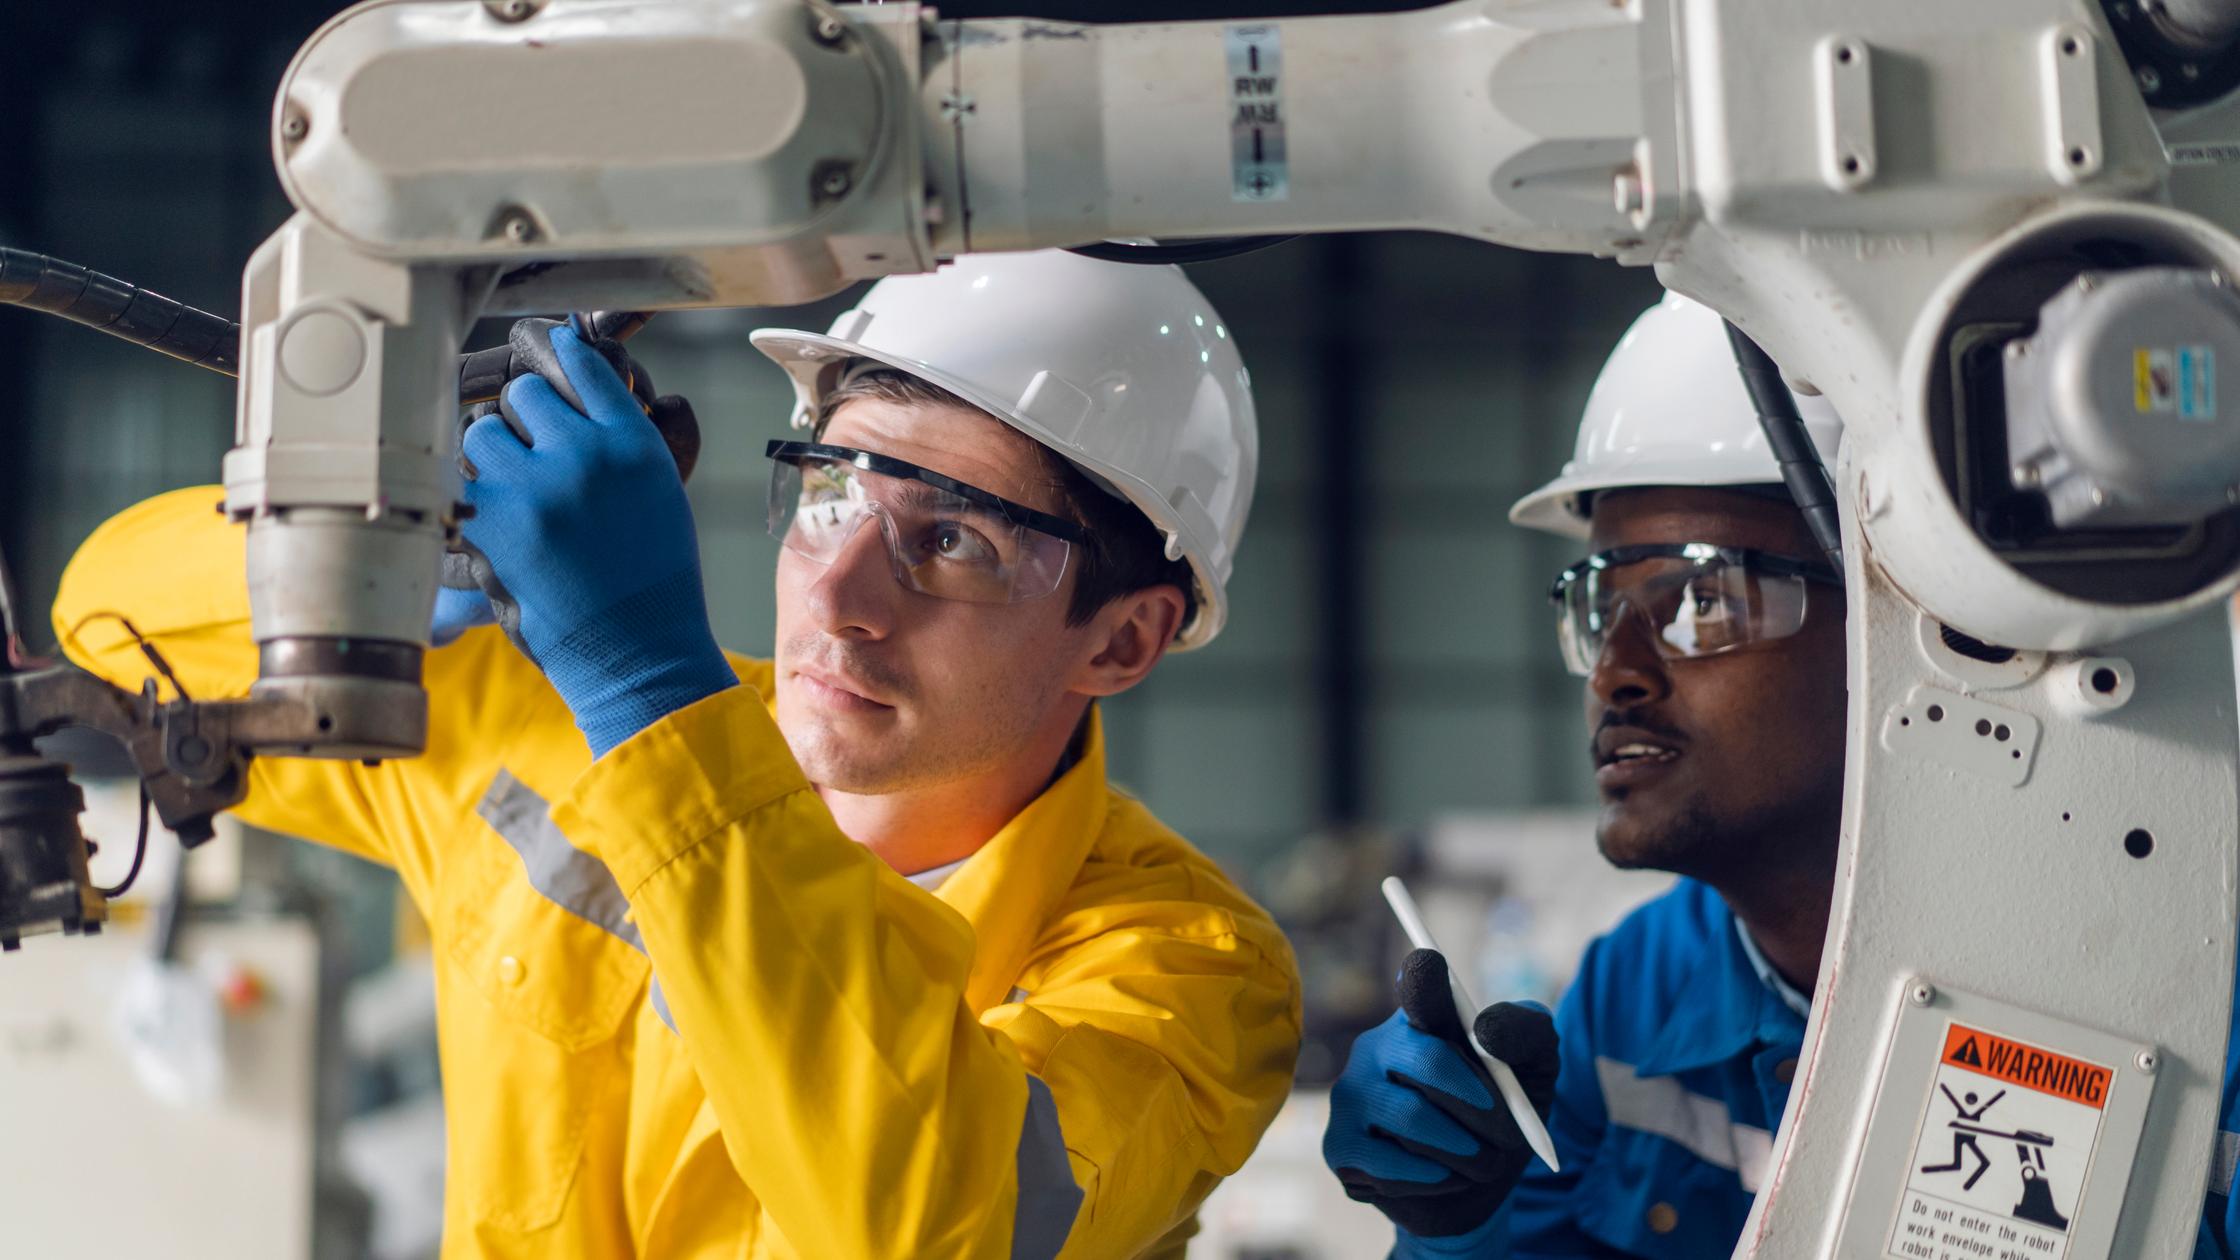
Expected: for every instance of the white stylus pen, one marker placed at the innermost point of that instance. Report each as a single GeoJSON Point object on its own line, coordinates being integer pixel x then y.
{"type": "Point", "coordinates": [1512, 1092]}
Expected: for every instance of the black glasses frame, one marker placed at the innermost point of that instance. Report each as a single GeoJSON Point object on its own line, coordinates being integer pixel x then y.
{"type": "Point", "coordinates": [888, 466]}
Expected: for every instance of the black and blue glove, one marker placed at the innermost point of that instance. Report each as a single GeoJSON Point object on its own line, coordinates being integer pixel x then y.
{"type": "Point", "coordinates": [469, 595]}
{"type": "Point", "coordinates": [1417, 1127]}
{"type": "Point", "coordinates": [579, 511]}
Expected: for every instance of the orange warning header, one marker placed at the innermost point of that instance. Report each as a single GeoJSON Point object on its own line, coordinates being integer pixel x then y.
{"type": "Point", "coordinates": [2027, 1066]}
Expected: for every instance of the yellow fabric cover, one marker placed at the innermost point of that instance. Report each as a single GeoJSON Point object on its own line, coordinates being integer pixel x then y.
{"type": "Point", "coordinates": [848, 1076]}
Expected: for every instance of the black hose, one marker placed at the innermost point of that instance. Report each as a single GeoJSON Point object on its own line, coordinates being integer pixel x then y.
{"type": "Point", "coordinates": [1801, 469]}
{"type": "Point", "coordinates": [119, 309]}
{"type": "Point", "coordinates": [213, 341]}
{"type": "Point", "coordinates": [1212, 249]}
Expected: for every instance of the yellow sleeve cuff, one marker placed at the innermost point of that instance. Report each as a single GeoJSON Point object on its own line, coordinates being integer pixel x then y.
{"type": "Point", "coordinates": [670, 786]}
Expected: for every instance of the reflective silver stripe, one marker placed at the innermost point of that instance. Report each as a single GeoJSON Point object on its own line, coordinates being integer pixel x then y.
{"type": "Point", "coordinates": [1048, 1197]}
{"type": "Point", "coordinates": [568, 877]}
{"type": "Point", "coordinates": [2224, 1164]}
{"type": "Point", "coordinates": [1658, 1104]}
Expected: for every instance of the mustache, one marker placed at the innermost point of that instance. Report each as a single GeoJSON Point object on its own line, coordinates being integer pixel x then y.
{"type": "Point", "coordinates": [1639, 719]}
{"type": "Point", "coordinates": [846, 660]}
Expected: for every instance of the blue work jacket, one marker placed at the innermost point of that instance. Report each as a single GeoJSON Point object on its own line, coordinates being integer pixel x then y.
{"type": "Point", "coordinates": [1678, 1049]}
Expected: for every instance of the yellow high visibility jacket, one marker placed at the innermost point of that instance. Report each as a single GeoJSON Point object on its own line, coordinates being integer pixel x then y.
{"type": "Point", "coordinates": [682, 1015]}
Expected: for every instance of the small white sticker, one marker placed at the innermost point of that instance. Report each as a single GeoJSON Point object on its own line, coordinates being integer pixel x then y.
{"type": "Point", "coordinates": [1261, 170]}
{"type": "Point", "coordinates": [2005, 1143]}
{"type": "Point", "coordinates": [2203, 154]}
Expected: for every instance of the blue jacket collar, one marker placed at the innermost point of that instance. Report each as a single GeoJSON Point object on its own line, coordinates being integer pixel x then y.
{"type": "Point", "coordinates": [1724, 1010]}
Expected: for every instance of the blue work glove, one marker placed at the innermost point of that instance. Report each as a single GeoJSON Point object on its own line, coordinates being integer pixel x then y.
{"type": "Point", "coordinates": [457, 612]}
{"type": "Point", "coordinates": [587, 527]}
{"type": "Point", "coordinates": [1417, 1127]}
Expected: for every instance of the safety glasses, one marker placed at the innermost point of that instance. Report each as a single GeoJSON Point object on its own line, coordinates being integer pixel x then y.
{"type": "Point", "coordinates": [944, 538]}
{"type": "Point", "coordinates": [1697, 599]}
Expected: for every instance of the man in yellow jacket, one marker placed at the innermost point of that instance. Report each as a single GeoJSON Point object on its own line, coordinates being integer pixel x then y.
{"type": "Point", "coordinates": [856, 953]}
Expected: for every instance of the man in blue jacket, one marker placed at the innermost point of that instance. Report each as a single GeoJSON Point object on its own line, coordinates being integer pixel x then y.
{"type": "Point", "coordinates": [1709, 633]}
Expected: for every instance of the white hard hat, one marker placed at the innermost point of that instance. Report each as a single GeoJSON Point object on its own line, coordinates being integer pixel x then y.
{"type": "Point", "coordinates": [1122, 368]}
{"type": "Point", "coordinates": [1669, 409]}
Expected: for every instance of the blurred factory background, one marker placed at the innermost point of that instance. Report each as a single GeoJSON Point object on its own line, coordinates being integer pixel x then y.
{"type": "Point", "coordinates": [1387, 697]}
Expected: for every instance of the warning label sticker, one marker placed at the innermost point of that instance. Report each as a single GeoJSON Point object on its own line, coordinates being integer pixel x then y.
{"type": "Point", "coordinates": [2006, 1139]}
{"type": "Point", "coordinates": [2179, 380]}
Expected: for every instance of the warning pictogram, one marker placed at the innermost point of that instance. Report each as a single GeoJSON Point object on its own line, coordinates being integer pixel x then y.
{"type": "Point", "coordinates": [2004, 1146]}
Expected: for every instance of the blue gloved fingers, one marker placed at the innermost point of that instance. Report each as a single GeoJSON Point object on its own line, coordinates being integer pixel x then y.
{"type": "Point", "coordinates": [458, 611]}
{"type": "Point", "coordinates": [531, 405]}
{"type": "Point", "coordinates": [606, 398]}
{"type": "Point", "coordinates": [489, 444]}
{"type": "Point", "coordinates": [1367, 1106]}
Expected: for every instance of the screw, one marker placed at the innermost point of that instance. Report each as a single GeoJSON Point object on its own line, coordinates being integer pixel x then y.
{"type": "Point", "coordinates": [2148, 1061]}
{"type": "Point", "coordinates": [1626, 192]}
{"type": "Point", "coordinates": [957, 105]}
{"type": "Point", "coordinates": [294, 126]}
{"type": "Point", "coordinates": [832, 180]}
{"type": "Point", "coordinates": [2017, 349]}
{"type": "Point", "coordinates": [2099, 497]}
{"type": "Point", "coordinates": [2087, 282]}
{"type": "Point", "coordinates": [512, 10]}
{"type": "Point", "coordinates": [2150, 80]}
{"type": "Point", "coordinates": [1922, 993]}
{"type": "Point", "coordinates": [830, 30]}
{"type": "Point", "coordinates": [2027, 474]}
{"type": "Point", "coordinates": [517, 225]}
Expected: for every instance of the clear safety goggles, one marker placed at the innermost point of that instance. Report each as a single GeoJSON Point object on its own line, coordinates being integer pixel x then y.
{"type": "Point", "coordinates": [944, 538]}
{"type": "Point", "coordinates": [1697, 599]}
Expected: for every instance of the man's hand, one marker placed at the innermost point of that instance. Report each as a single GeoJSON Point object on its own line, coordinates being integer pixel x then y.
{"type": "Point", "coordinates": [581, 516]}
{"type": "Point", "coordinates": [1417, 1127]}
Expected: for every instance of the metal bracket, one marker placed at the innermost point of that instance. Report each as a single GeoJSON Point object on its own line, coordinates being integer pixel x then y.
{"type": "Point", "coordinates": [1963, 733]}
{"type": "Point", "coordinates": [1844, 71]}
{"type": "Point", "coordinates": [2069, 80]}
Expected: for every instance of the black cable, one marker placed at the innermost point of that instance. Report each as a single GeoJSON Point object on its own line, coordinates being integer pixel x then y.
{"type": "Point", "coordinates": [11, 640]}
{"type": "Point", "coordinates": [213, 341]}
{"type": "Point", "coordinates": [1211, 249]}
{"type": "Point", "coordinates": [119, 309]}
{"type": "Point", "coordinates": [1801, 469]}
{"type": "Point", "coordinates": [139, 854]}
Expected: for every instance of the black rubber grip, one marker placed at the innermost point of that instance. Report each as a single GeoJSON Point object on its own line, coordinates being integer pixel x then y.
{"type": "Point", "coordinates": [101, 301]}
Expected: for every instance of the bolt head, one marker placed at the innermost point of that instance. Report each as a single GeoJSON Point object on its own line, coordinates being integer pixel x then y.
{"type": "Point", "coordinates": [1626, 193]}
{"type": "Point", "coordinates": [295, 126]}
{"type": "Point", "coordinates": [2150, 80]}
{"type": "Point", "coordinates": [834, 183]}
{"type": "Point", "coordinates": [1922, 993]}
{"type": "Point", "coordinates": [831, 29]}
{"type": "Point", "coordinates": [517, 226]}
{"type": "Point", "coordinates": [2148, 1061]}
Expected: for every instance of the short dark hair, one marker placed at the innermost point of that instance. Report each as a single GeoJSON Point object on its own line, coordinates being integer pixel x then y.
{"type": "Point", "coordinates": [1125, 552]}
